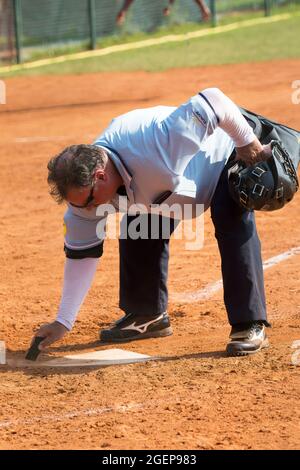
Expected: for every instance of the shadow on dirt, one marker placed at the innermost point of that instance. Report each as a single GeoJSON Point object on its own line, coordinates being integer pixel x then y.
{"type": "Point", "coordinates": [16, 362]}
{"type": "Point", "coordinates": [79, 105]}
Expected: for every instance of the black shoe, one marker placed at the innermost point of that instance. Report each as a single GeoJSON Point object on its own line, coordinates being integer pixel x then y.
{"type": "Point", "coordinates": [132, 327]}
{"type": "Point", "coordinates": [247, 339]}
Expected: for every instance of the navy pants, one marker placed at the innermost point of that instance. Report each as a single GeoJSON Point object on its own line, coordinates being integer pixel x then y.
{"type": "Point", "coordinates": [144, 271]}
{"type": "Point", "coordinates": [144, 264]}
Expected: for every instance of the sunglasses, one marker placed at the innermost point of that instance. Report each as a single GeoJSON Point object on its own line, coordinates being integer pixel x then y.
{"type": "Point", "coordinates": [89, 199]}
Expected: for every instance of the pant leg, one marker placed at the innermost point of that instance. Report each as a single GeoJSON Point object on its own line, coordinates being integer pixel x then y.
{"type": "Point", "coordinates": [144, 271]}
{"type": "Point", "coordinates": [240, 250]}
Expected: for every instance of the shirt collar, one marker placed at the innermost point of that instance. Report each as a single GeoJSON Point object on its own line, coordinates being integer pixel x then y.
{"type": "Point", "coordinates": [123, 170]}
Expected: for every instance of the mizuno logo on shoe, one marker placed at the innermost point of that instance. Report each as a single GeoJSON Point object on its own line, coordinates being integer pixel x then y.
{"type": "Point", "coordinates": [143, 327]}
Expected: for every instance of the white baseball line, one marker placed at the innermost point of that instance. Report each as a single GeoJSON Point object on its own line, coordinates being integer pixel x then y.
{"type": "Point", "coordinates": [210, 289]}
{"type": "Point", "coordinates": [54, 138]}
{"type": "Point", "coordinates": [72, 414]}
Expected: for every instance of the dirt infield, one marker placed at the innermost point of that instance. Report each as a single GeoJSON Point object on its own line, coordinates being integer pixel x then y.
{"type": "Point", "coordinates": [196, 398]}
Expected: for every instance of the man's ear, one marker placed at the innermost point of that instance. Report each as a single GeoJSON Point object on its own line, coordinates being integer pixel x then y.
{"type": "Point", "coordinates": [100, 174]}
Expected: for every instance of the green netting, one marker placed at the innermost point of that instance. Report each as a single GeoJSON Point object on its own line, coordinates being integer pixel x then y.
{"type": "Point", "coordinates": [7, 34]}
{"type": "Point", "coordinates": [48, 24]}
{"type": "Point", "coordinates": [45, 21]}
{"type": "Point", "coordinates": [61, 20]}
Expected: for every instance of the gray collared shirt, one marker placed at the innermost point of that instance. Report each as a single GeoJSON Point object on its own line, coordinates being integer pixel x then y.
{"type": "Point", "coordinates": [164, 155]}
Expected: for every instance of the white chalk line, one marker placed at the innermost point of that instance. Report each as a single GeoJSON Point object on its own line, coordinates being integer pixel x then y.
{"type": "Point", "coordinates": [208, 291]}
{"type": "Point", "coordinates": [54, 138]}
{"type": "Point", "coordinates": [90, 412]}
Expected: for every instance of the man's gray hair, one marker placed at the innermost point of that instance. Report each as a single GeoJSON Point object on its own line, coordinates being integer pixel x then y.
{"type": "Point", "coordinates": [74, 167]}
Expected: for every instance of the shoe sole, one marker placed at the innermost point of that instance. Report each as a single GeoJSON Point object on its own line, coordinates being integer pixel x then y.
{"type": "Point", "coordinates": [235, 353]}
{"type": "Point", "coordinates": [151, 334]}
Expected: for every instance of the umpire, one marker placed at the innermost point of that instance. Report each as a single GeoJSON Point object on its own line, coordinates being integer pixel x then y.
{"type": "Point", "coordinates": [207, 151]}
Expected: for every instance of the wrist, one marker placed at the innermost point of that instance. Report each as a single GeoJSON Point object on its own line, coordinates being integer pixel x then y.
{"type": "Point", "coordinates": [251, 153]}
{"type": "Point", "coordinates": [64, 325]}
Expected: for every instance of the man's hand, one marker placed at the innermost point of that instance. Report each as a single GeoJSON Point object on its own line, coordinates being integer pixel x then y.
{"type": "Point", "coordinates": [253, 153]}
{"type": "Point", "coordinates": [51, 332]}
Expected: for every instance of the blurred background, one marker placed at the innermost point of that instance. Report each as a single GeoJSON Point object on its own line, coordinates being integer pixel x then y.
{"type": "Point", "coordinates": [35, 29]}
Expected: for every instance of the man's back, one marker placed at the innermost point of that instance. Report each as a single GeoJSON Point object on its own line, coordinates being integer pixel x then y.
{"type": "Point", "coordinates": [163, 147]}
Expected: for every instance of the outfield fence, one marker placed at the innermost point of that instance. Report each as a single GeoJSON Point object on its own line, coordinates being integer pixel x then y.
{"type": "Point", "coordinates": [7, 31]}
{"type": "Point", "coordinates": [39, 27]}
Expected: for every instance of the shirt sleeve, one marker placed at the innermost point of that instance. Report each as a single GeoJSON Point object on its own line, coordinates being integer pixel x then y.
{"type": "Point", "coordinates": [229, 117]}
{"type": "Point", "coordinates": [81, 231]}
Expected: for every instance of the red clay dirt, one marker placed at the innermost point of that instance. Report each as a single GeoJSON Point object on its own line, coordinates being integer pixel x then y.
{"type": "Point", "coordinates": [195, 399]}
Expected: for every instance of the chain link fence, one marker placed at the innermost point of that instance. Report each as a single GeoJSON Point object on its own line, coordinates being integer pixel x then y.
{"type": "Point", "coordinates": [7, 32]}
{"type": "Point", "coordinates": [27, 26]}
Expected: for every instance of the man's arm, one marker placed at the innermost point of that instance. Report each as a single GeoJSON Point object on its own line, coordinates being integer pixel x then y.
{"type": "Point", "coordinates": [83, 249]}
{"type": "Point", "coordinates": [78, 277]}
{"type": "Point", "coordinates": [231, 120]}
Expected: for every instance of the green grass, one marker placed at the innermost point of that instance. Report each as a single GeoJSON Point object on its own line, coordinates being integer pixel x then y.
{"type": "Point", "coordinates": [256, 43]}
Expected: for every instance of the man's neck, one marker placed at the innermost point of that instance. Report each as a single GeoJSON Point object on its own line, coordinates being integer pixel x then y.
{"type": "Point", "coordinates": [115, 175]}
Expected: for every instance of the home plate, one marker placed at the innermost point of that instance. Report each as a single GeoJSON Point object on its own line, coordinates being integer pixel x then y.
{"type": "Point", "coordinates": [107, 357]}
